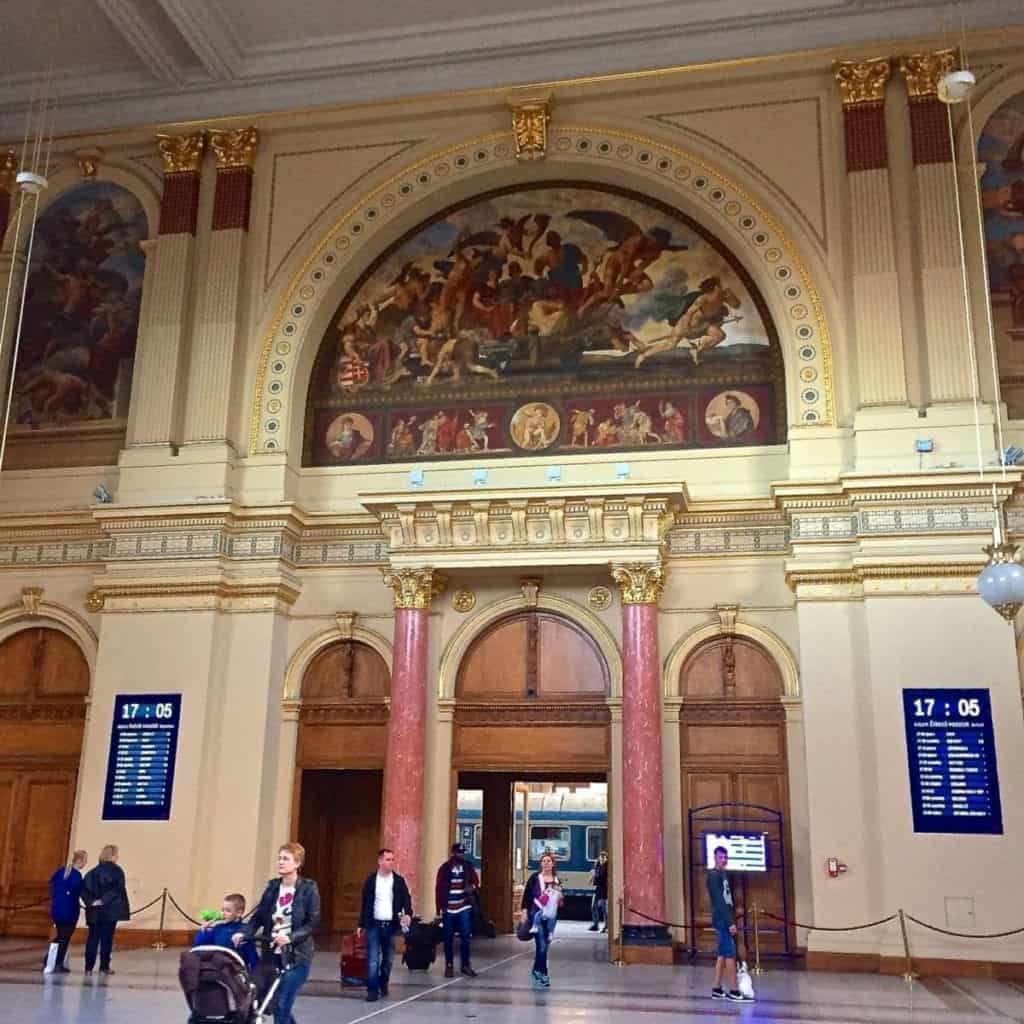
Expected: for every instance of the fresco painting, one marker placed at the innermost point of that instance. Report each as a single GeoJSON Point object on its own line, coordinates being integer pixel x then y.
{"type": "Point", "coordinates": [559, 317]}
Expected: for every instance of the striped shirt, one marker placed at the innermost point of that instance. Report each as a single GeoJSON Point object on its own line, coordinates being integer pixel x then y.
{"type": "Point", "coordinates": [457, 899]}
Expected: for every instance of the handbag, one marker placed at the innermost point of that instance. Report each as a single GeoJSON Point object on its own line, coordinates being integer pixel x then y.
{"type": "Point", "coordinates": [523, 931]}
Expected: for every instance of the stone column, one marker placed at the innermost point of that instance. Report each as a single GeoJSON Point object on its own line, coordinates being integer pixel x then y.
{"type": "Point", "coordinates": [876, 294]}
{"type": "Point", "coordinates": [950, 359]}
{"type": "Point", "coordinates": [208, 399]}
{"type": "Point", "coordinates": [643, 852]}
{"type": "Point", "coordinates": [405, 767]}
{"type": "Point", "coordinates": [166, 290]}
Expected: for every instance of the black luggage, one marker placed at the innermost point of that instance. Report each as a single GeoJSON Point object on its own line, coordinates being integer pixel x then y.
{"type": "Point", "coordinates": [420, 945]}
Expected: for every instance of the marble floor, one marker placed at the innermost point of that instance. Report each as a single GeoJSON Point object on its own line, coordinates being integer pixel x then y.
{"type": "Point", "coordinates": [584, 988]}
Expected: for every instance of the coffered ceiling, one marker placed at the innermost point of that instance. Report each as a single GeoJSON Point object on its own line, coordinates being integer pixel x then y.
{"type": "Point", "coordinates": [116, 63]}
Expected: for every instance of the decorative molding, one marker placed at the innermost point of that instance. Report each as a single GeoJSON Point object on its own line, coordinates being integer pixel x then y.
{"type": "Point", "coordinates": [537, 712]}
{"type": "Point", "coordinates": [50, 614]}
{"type": "Point", "coordinates": [235, 148]}
{"type": "Point", "coordinates": [639, 582]}
{"type": "Point", "coordinates": [530, 120]}
{"type": "Point", "coordinates": [922, 71]}
{"type": "Point", "coordinates": [695, 712]}
{"type": "Point", "coordinates": [178, 595]}
{"type": "Point", "coordinates": [862, 81]}
{"type": "Point", "coordinates": [463, 600]}
{"type": "Point", "coordinates": [599, 598]}
{"type": "Point", "coordinates": [414, 588]}
{"type": "Point", "coordinates": [44, 711]}
{"type": "Point", "coordinates": [530, 586]}
{"type": "Point", "coordinates": [727, 618]}
{"type": "Point", "coordinates": [346, 623]}
{"type": "Point", "coordinates": [182, 154]}
{"type": "Point", "coordinates": [352, 713]}
{"type": "Point", "coordinates": [94, 601]}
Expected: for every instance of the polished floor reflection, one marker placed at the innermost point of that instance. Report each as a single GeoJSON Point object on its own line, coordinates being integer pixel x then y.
{"type": "Point", "coordinates": [584, 988]}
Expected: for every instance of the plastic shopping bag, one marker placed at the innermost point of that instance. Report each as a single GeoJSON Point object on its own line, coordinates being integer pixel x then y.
{"type": "Point", "coordinates": [50, 963]}
{"type": "Point", "coordinates": [743, 981]}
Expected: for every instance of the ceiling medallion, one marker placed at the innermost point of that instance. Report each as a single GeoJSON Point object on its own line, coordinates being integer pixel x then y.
{"type": "Point", "coordinates": [463, 600]}
{"type": "Point", "coordinates": [599, 598]}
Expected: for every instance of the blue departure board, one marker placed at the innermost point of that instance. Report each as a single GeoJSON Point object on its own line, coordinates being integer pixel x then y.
{"type": "Point", "coordinates": [143, 747]}
{"type": "Point", "coordinates": [954, 784]}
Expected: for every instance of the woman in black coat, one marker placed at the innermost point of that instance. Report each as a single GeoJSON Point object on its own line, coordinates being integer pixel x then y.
{"type": "Point", "coordinates": [106, 902]}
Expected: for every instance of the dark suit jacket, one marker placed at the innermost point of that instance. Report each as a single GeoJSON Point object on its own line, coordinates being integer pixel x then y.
{"type": "Point", "coordinates": [401, 903]}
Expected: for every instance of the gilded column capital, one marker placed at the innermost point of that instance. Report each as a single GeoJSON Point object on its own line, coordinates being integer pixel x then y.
{"type": "Point", "coordinates": [182, 153]}
{"type": "Point", "coordinates": [639, 582]}
{"type": "Point", "coordinates": [530, 119]}
{"type": "Point", "coordinates": [862, 81]}
{"type": "Point", "coordinates": [923, 71]}
{"type": "Point", "coordinates": [8, 170]}
{"type": "Point", "coordinates": [236, 148]}
{"type": "Point", "coordinates": [414, 588]}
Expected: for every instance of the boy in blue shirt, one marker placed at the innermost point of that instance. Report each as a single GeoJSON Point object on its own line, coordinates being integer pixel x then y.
{"type": "Point", "coordinates": [218, 933]}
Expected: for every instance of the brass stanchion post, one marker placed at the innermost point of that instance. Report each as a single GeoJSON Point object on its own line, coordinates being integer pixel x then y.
{"type": "Point", "coordinates": [160, 944]}
{"type": "Point", "coordinates": [758, 969]}
{"type": "Point", "coordinates": [619, 961]}
{"type": "Point", "coordinates": [908, 974]}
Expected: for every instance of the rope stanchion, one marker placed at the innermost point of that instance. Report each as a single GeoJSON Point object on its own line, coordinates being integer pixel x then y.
{"type": "Point", "coordinates": [831, 928]}
{"type": "Point", "coordinates": [658, 920]}
{"type": "Point", "coordinates": [619, 960]}
{"type": "Point", "coordinates": [160, 944]}
{"type": "Point", "coordinates": [965, 935]}
{"type": "Point", "coordinates": [177, 907]}
{"type": "Point", "coordinates": [758, 969]}
{"type": "Point", "coordinates": [145, 907]}
{"type": "Point", "coordinates": [908, 975]}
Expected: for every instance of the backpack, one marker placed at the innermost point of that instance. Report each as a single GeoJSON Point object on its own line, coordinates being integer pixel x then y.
{"type": "Point", "coordinates": [216, 984]}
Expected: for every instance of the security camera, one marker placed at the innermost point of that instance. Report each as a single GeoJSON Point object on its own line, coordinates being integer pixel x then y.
{"type": "Point", "coordinates": [102, 495]}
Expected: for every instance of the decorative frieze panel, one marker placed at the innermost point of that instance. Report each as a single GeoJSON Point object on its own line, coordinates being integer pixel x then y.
{"type": "Point", "coordinates": [53, 553]}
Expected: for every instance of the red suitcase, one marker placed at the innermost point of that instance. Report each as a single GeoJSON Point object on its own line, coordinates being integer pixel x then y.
{"type": "Point", "coordinates": [353, 960]}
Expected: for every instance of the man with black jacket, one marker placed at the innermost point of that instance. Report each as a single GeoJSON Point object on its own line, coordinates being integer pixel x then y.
{"type": "Point", "coordinates": [455, 890]}
{"type": "Point", "coordinates": [386, 907]}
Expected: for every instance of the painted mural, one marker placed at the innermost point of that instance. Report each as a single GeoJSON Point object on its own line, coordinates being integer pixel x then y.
{"type": "Point", "coordinates": [82, 309]}
{"type": "Point", "coordinates": [557, 318]}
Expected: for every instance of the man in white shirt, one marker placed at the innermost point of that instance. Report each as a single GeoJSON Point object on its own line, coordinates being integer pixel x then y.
{"type": "Point", "coordinates": [386, 907]}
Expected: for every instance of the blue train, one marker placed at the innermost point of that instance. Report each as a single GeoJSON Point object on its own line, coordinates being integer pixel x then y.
{"type": "Point", "coordinates": [573, 826]}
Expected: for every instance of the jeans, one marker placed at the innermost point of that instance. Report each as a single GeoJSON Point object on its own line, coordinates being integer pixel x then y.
{"type": "Point", "coordinates": [545, 929]}
{"type": "Point", "coordinates": [64, 933]}
{"type": "Point", "coordinates": [101, 936]}
{"type": "Point", "coordinates": [380, 951]}
{"type": "Point", "coordinates": [457, 924]}
{"type": "Point", "coordinates": [599, 910]}
{"type": "Point", "coordinates": [287, 992]}
{"type": "Point", "coordinates": [538, 916]}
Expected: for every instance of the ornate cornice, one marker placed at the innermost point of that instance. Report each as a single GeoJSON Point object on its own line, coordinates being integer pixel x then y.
{"type": "Point", "coordinates": [879, 579]}
{"type": "Point", "coordinates": [922, 71]}
{"type": "Point", "coordinates": [862, 81]}
{"type": "Point", "coordinates": [182, 154]}
{"type": "Point", "coordinates": [639, 582]}
{"type": "Point", "coordinates": [179, 595]}
{"type": "Point", "coordinates": [235, 148]}
{"type": "Point", "coordinates": [414, 588]}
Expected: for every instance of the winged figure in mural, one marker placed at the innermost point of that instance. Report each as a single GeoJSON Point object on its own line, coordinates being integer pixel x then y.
{"type": "Point", "coordinates": [623, 268]}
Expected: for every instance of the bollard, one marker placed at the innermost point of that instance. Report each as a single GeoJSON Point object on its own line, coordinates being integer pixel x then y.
{"type": "Point", "coordinates": [160, 944]}
{"type": "Point", "coordinates": [758, 969]}
{"type": "Point", "coordinates": [908, 975]}
{"type": "Point", "coordinates": [619, 961]}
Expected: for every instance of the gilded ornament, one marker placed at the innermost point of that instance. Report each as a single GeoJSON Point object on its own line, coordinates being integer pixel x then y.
{"type": "Point", "coordinates": [463, 600]}
{"type": "Point", "coordinates": [530, 121]}
{"type": "Point", "coordinates": [923, 71]}
{"type": "Point", "coordinates": [8, 170]}
{"type": "Point", "coordinates": [94, 601]}
{"type": "Point", "coordinates": [640, 582]}
{"type": "Point", "coordinates": [414, 588]}
{"type": "Point", "coordinates": [30, 598]}
{"type": "Point", "coordinates": [862, 81]}
{"type": "Point", "coordinates": [182, 153]}
{"type": "Point", "coordinates": [599, 598]}
{"type": "Point", "coordinates": [88, 162]}
{"type": "Point", "coordinates": [236, 148]}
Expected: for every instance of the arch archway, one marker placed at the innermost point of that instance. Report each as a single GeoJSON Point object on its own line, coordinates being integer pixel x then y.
{"type": "Point", "coordinates": [44, 685]}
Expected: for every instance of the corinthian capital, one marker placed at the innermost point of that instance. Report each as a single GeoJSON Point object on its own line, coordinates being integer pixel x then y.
{"type": "Point", "coordinates": [923, 71]}
{"type": "Point", "coordinates": [639, 582]}
{"type": "Point", "coordinates": [181, 153]}
{"type": "Point", "coordinates": [862, 81]}
{"type": "Point", "coordinates": [235, 148]}
{"type": "Point", "coordinates": [414, 588]}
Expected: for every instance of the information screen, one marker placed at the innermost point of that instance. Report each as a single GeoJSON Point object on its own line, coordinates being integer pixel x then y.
{"type": "Point", "coordinates": [143, 747]}
{"type": "Point", "coordinates": [954, 785]}
{"type": "Point", "coordinates": [748, 851]}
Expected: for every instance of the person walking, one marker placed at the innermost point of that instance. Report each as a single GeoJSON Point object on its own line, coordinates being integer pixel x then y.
{"type": "Point", "coordinates": [599, 904]}
{"type": "Point", "coordinates": [454, 891]}
{"type": "Point", "coordinates": [288, 914]}
{"type": "Point", "coordinates": [65, 891]}
{"type": "Point", "coordinates": [386, 907]}
{"type": "Point", "coordinates": [723, 920]}
{"type": "Point", "coordinates": [542, 899]}
{"type": "Point", "coordinates": [106, 902]}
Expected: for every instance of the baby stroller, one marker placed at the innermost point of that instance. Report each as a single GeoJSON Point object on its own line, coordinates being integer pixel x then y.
{"type": "Point", "coordinates": [218, 988]}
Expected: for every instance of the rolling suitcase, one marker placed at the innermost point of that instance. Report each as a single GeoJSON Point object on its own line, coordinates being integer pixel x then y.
{"type": "Point", "coordinates": [420, 946]}
{"type": "Point", "coordinates": [353, 960]}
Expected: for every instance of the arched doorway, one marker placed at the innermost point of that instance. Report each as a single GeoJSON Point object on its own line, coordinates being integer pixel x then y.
{"type": "Point", "coordinates": [44, 681]}
{"type": "Point", "coordinates": [733, 751]}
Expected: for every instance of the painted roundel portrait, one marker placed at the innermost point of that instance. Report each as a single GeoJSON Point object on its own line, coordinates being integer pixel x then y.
{"type": "Point", "coordinates": [557, 318]}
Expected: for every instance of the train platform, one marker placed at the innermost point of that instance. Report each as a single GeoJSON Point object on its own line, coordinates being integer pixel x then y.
{"type": "Point", "coordinates": [584, 988]}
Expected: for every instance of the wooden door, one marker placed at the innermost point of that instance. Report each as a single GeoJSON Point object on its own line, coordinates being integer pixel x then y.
{"type": "Point", "coordinates": [44, 679]}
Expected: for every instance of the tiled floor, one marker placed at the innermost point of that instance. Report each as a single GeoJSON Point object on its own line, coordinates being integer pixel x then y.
{"type": "Point", "coordinates": [584, 988]}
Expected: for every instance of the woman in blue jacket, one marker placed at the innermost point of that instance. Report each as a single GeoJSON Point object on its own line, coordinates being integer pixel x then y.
{"type": "Point", "coordinates": [65, 890]}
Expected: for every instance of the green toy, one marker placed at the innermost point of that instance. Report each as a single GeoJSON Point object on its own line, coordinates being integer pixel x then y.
{"type": "Point", "coordinates": [210, 916]}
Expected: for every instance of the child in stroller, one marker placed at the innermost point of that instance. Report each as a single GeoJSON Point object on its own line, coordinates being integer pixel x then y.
{"type": "Point", "coordinates": [219, 989]}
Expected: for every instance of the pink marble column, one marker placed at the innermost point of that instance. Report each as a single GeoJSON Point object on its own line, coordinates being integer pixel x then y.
{"type": "Point", "coordinates": [405, 767]}
{"type": "Point", "coordinates": [643, 853]}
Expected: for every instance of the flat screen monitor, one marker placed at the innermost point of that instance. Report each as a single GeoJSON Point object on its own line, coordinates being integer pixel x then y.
{"type": "Point", "coordinates": [748, 851]}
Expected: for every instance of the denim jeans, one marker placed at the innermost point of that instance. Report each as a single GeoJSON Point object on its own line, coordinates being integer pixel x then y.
{"type": "Point", "coordinates": [457, 924]}
{"type": "Point", "coordinates": [291, 981]}
{"type": "Point", "coordinates": [380, 951]}
{"type": "Point", "coordinates": [100, 937]}
{"type": "Point", "coordinates": [545, 929]}
{"type": "Point", "coordinates": [599, 910]}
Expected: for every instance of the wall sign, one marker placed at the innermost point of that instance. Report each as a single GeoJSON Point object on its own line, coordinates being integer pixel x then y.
{"type": "Point", "coordinates": [954, 785]}
{"type": "Point", "coordinates": [143, 747]}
